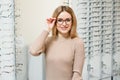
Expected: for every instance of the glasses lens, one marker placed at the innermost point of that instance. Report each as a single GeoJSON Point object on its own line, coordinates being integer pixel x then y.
{"type": "Point", "coordinates": [60, 21]}
{"type": "Point", "coordinates": [68, 21]}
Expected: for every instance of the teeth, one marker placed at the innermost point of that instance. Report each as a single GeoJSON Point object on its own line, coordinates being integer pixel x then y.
{"type": "Point", "coordinates": [63, 28]}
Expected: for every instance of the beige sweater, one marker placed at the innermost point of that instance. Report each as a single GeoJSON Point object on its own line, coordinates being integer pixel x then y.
{"type": "Point", "coordinates": [63, 56]}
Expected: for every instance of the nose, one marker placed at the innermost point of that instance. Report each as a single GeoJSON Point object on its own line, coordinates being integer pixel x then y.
{"type": "Point", "coordinates": [64, 23]}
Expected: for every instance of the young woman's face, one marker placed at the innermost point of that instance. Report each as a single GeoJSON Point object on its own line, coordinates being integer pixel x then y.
{"type": "Point", "coordinates": [64, 22]}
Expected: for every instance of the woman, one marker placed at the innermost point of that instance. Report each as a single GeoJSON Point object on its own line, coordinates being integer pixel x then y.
{"type": "Point", "coordinates": [64, 50]}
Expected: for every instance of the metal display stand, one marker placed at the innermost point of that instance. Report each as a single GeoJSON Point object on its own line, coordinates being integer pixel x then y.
{"type": "Point", "coordinates": [99, 26]}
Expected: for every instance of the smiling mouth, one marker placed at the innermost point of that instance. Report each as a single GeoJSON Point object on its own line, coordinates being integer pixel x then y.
{"type": "Point", "coordinates": [64, 28]}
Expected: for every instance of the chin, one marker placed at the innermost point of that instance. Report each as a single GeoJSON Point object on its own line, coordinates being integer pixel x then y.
{"type": "Point", "coordinates": [64, 32]}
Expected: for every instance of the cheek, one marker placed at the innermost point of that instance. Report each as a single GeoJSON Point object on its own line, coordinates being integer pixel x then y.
{"type": "Point", "coordinates": [69, 27]}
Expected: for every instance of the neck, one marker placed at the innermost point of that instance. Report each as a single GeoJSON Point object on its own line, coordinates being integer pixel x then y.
{"type": "Point", "coordinates": [63, 35]}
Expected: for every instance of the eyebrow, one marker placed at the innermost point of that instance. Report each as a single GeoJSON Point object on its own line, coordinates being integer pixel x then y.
{"type": "Point", "coordinates": [65, 18]}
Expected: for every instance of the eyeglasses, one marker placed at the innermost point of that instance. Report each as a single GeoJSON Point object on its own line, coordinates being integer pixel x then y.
{"type": "Point", "coordinates": [67, 21]}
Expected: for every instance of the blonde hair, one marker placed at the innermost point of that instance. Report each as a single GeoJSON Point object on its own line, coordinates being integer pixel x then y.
{"type": "Point", "coordinates": [58, 10]}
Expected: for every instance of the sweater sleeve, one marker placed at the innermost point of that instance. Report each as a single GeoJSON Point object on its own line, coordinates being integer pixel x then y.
{"type": "Point", "coordinates": [38, 45]}
{"type": "Point", "coordinates": [79, 57]}
{"type": "Point", "coordinates": [43, 40]}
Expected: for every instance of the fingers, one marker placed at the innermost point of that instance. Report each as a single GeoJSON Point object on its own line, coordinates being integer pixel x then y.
{"type": "Point", "coordinates": [50, 23]}
{"type": "Point", "coordinates": [51, 20]}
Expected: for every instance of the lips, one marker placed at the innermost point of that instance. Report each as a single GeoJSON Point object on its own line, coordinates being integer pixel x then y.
{"type": "Point", "coordinates": [64, 28]}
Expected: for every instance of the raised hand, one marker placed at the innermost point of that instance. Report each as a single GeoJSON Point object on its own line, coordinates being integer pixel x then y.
{"type": "Point", "coordinates": [50, 23]}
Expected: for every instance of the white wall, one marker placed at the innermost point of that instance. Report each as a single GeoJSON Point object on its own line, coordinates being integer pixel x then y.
{"type": "Point", "coordinates": [33, 16]}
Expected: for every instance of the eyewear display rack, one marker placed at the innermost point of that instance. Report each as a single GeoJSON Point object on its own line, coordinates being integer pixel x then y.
{"type": "Point", "coordinates": [7, 46]}
{"type": "Point", "coordinates": [99, 26]}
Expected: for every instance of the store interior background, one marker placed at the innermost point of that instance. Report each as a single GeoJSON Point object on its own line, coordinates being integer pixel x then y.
{"type": "Point", "coordinates": [101, 36]}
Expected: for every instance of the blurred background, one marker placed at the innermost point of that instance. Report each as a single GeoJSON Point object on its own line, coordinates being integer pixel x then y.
{"type": "Point", "coordinates": [21, 21]}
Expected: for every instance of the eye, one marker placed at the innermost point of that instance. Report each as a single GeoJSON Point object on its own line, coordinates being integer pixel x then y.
{"type": "Point", "coordinates": [60, 20]}
{"type": "Point", "coordinates": [68, 19]}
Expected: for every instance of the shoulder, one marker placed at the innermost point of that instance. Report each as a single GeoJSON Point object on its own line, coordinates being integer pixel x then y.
{"type": "Point", "coordinates": [78, 40]}
{"type": "Point", "coordinates": [78, 43]}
